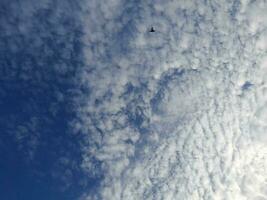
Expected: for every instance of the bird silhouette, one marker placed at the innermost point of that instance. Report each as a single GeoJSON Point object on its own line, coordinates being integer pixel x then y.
{"type": "Point", "coordinates": [152, 30]}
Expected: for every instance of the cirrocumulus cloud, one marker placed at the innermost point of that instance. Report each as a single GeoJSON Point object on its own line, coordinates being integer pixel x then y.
{"type": "Point", "coordinates": [179, 113]}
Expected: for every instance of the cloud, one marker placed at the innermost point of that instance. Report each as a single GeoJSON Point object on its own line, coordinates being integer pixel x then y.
{"type": "Point", "coordinates": [168, 115]}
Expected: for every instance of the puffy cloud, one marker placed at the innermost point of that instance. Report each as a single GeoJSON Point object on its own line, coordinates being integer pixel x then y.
{"type": "Point", "coordinates": [179, 113]}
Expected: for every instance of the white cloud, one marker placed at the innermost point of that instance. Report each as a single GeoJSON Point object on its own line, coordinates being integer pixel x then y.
{"type": "Point", "coordinates": [169, 115]}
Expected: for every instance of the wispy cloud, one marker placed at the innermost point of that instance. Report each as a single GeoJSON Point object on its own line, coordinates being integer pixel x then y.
{"type": "Point", "coordinates": [168, 114]}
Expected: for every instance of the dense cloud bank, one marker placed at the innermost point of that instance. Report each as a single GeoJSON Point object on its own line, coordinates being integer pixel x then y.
{"type": "Point", "coordinates": [179, 113]}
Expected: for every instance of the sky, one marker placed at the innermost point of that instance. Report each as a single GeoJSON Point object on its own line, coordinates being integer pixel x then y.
{"type": "Point", "coordinates": [96, 107]}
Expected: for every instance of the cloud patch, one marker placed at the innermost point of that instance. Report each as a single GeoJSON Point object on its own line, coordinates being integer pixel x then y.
{"type": "Point", "coordinates": [178, 114]}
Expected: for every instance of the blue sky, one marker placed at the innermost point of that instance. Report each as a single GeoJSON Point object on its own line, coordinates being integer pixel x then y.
{"type": "Point", "coordinates": [40, 154]}
{"type": "Point", "coordinates": [36, 139]}
{"type": "Point", "coordinates": [95, 107]}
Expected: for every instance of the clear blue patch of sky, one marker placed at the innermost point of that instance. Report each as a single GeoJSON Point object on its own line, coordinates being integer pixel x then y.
{"type": "Point", "coordinates": [40, 156]}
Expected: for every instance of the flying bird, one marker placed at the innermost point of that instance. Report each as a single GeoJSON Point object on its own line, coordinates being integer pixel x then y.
{"type": "Point", "coordinates": [152, 30]}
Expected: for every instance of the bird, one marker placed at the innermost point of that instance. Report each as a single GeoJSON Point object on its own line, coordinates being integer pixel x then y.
{"type": "Point", "coordinates": [152, 30]}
